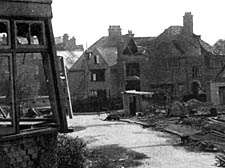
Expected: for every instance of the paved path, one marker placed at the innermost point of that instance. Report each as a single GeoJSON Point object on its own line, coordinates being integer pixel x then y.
{"type": "Point", "coordinates": [160, 147]}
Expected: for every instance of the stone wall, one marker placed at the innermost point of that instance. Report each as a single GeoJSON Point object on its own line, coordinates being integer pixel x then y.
{"type": "Point", "coordinates": [29, 150]}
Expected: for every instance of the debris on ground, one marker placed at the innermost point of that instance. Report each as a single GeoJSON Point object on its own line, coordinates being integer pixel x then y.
{"type": "Point", "coordinates": [220, 160]}
{"type": "Point", "coordinates": [200, 125]}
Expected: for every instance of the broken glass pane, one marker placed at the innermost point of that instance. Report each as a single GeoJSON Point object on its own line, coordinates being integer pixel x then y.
{"type": "Point", "coordinates": [3, 33]}
{"type": "Point", "coordinates": [30, 33]}
{"type": "Point", "coordinates": [36, 33]}
{"type": "Point", "coordinates": [22, 35]}
{"type": "Point", "coordinates": [5, 91]}
{"type": "Point", "coordinates": [31, 86]}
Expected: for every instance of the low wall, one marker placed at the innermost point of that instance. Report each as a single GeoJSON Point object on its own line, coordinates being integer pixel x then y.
{"type": "Point", "coordinates": [36, 149]}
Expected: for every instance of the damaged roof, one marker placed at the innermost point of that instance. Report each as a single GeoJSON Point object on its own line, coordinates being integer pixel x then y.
{"type": "Point", "coordinates": [109, 54]}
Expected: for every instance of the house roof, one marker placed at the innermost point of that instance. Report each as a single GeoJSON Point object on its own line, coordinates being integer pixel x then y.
{"type": "Point", "coordinates": [173, 37]}
{"type": "Point", "coordinates": [143, 41]}
{"type": "Point", "coordinates": [70, 57]}
{"type": "Point", "coordinates": [109, 54]}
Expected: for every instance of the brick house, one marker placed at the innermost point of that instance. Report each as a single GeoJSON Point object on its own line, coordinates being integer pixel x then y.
{"type": "Point", "coordinates": [110, 66]}
{"type": "Point", "coordinates": [168, 63]}
{"type": "Point", "coordinates": [177, 57]}
{"type": "Point", "coordinates": [217, 88]}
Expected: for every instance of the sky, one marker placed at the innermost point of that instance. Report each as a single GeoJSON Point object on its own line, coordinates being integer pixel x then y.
{"type": "Point", "coordinates": [89, 20]}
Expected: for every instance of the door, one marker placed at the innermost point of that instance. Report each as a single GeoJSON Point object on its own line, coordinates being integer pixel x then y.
{"type": "Point", "coordinates": [132, 105]}
{"type": "Point", "coordinates": [222, 95]}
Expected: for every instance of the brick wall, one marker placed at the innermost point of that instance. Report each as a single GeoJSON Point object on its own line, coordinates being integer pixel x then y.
{"type": "Point", "coordinates": [33, 150]}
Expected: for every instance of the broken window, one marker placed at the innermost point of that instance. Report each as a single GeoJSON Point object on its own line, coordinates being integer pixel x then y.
{"type": "Point", "coordinates": [4, 33]}
{"type": "Point", "coordinates": [6, 95]}
{"type": "Point", "coordinates": [98, 75]}
{"type": "Point", "coordinates": [132, 69]}
{"type": "Point", "coordinates": [31, 86]}
{"type": "Point", "coordinates": [29, 33]}
{"type": "Point", "coordinates": [30, 89]}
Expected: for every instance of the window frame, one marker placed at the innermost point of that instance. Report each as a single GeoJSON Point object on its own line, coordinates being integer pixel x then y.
{"type": "Point", "coordinates": [95, 75]}
{"type": "Point", "coordinates": [50, 65]}
{"type": "Point", "coordinates": [96, 59]}
{"type": "Point", "coordinates": [32, 46]}
{"type": "Point", "coordinates": [196, 72]}
{"type": "Point", "coordinates": [132, 69]}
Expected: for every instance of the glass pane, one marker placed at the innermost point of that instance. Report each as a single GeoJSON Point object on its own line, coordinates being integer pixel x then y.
{"type": "Point", "coordinates": [3, 33]}
{"type": "Point", "coordinates": [31, 86]}
{"type": "Point", "coordinates": [6, 110]}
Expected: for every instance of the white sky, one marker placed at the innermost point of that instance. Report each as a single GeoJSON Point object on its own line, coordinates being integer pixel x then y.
{"type": "Point", "coordinates": [88, 20]}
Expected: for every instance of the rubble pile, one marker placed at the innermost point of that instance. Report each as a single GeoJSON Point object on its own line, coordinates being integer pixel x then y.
{"type": "Point", "coordinates": [199, 124]}
{"type": "Point", "coordinates": [220, 160]}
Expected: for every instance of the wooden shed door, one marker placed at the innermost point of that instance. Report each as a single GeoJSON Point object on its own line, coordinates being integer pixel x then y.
{"type": "Point", "coordinates": [133, 105]}
{"type": "Point", "coordinates": [222, 95]}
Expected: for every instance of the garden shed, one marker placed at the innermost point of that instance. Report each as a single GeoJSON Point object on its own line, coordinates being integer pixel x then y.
{"type": "Point", "coordinates": [136, 101]}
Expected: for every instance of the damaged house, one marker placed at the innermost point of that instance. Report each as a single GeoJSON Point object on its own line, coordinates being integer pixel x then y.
{"type": "Point", "coordinates": [177, 58]}
{"type": "Point", "coordinates": [168, 63]}
{"type": "Point", "coordinates": [110, 66]}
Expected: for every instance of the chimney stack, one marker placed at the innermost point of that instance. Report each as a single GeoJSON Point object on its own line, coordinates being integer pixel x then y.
{"type": "Point", "coordinates": [114, 31]}
{"type": "Point", "coordinates": [188, 23]}
{"type": "Point", "coordinates": [130, 34]}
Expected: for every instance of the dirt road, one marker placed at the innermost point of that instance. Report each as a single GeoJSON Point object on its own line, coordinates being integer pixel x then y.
{"type": "Point", "coordinates": [162, 149]}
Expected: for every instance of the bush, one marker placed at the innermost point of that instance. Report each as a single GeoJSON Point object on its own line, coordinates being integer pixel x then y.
{"type": "Point", "coordinates": [71, 152]}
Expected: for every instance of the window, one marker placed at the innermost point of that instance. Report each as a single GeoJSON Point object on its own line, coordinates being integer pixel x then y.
{"type": "Point", "coordinates": [216, 63]}
{"type": "Point", "coordinates": [88, 55]}
{"type": "Point", "coordinates": [196, 72]}
{"type": "Point", "coordinates": [93, 93]}
{"type": "Point", "coordinates": [6, 95]}
{"type": "Point", "coordinates": [96, 59]}
{"type": "Point", "coordinates": [98, 75]}
{"type": "Point", "coordinates": [132, 69]}
{"type": "Point", "coordinates": [4, 33]}
{"type": "Point", "coordinates": [98, 93]}
{"type": "Point", "coordinates": [29, 33]}
{"type": "Point", "coordinates": [31, 86]}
